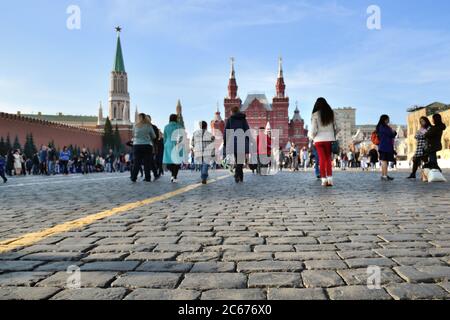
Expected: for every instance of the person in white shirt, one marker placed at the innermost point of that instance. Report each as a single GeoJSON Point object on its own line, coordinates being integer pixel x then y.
{"type": "Point", "coordinates": [323, 133]}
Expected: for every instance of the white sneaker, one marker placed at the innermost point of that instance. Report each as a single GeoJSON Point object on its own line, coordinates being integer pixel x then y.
{"type": "Point", "coordinates": [172, 180]}
{"type": "Point", "coordinates": [330, 181]}
{"type": "Point", "coordinates": [175, 180]}
{"type": "Point", "coordinates": [324, 182]}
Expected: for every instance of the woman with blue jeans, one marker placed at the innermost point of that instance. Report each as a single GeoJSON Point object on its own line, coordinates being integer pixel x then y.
{"type": "Point", "coordinates": [64, 157]}
{"type": "Point", "coordinates": [143, 137]}
{"type": "Point", "coordinates": [203, 149]}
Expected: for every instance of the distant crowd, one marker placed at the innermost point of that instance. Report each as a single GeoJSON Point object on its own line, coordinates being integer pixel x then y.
{"type": "Point", "coordinates": [153, 151]}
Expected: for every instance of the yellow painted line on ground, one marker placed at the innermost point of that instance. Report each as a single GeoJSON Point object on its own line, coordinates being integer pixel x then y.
{"type": "Point", "coordinates": [34, 237]}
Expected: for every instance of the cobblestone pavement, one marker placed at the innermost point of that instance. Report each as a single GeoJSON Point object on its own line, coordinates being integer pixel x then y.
{"type": "Point", "coordinates": [274, 237]}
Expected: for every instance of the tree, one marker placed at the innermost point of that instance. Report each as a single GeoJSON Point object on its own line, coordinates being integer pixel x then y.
{"type": "Point", "coordinates": [8, 143]}
{"type": "Point", "coordinates": [117, 141]}
{"type": "Point", "coordinates": [16, 145]}
{"type": "Point", "coordinates": [108, 135]}
{"type": "Point", "coordinates": [29, 149]}
{"type": "Point", "coordinates": [3, 149]}
{"type": "Point", "coordinates": [32, 145]}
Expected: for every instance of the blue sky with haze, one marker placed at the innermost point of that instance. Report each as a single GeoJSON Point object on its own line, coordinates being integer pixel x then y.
{"type": "Point", "coordinates": [181, 49]}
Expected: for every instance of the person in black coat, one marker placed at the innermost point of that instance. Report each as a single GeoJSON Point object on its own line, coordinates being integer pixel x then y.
{"type": "Point", "coordinates": [434, 141]}
{"type": "Point", "coordinates": [156, 146]}
{"type": "Point", "coordinates": [10, 163]}
{"type": "Point", "coordinates": [241, 148]}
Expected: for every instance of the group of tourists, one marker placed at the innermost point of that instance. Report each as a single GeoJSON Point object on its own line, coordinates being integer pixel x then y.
{"type": "Point", "coordinates": [48, 161]}
{"type": "Point", "coordinates": [429, 142]}
{"type": "Point", "coordinates": [153, 150]}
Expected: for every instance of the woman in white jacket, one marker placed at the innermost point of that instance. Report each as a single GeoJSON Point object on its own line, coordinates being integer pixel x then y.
{"type": "Point", "coordinates": [323, 133]}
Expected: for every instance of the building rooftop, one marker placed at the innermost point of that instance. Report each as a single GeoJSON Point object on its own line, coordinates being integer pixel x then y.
{"type": "Point", "coordinates": [432, 108]}
{"type": "Point", "coordinates": [261, 97]}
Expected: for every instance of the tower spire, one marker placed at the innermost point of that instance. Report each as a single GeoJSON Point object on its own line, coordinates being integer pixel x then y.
{"type": "Point", "coordinates": [281, 87]}
{"type": "Point", "coordinates": [280, 67]}
{"type": "Point", "coordinates": [119, 65]}
{"type": "Point", "coordinates": [232, 84]}
{"type": "Point", "coordinates": [100, 114]}
{"type": "Point", "coordinates": [232, 73]}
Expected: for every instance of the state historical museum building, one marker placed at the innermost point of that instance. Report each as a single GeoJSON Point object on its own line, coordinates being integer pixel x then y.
{"type": "Point", "coordinates": [263, 114]}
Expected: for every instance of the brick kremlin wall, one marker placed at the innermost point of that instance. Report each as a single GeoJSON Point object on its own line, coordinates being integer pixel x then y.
{"type": "Point", "coordinates": [45, 131]}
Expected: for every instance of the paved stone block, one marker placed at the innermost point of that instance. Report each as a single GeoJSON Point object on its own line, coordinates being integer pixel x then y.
{"type": "Point", "coordinates": [409, 291]}
{"type": "Point", "coordinates": [87, 279]}
{"type": "Point", "coordinates": [213, 267]}
{"type": "Point", "coordinates": [246, 256]}
{"type": "Point", "coordinates": [110, 266]}
{"type": "Point", "coordinates": [358, 254]}
{"type": "Point", "coordinates": [291, 240]}
{"type": "Point", "coordinates": [177, 248]}
{"type": "Point", "coordinates": [366, 262]}
{"type": "Point", "coordinates": [296, 294]}
{"type": "Point", "coordinates": [315, 247]}
{"type": "Point", "coordinates": [325, 264]}
{"type": "Point", "coordinates": [20, 293]}
{"type": "Point", "coordinates": [206, 241]}
{"type": "Point", "coordinates": [246, 240]}
{"type": "Point", "coordinates": [91, 294]}
{"type": "Point", "coordinates": [123, 248]}
{"type": "Point", "coordinates": [157, 240]}
{"type": "Point", "coordinates": [321, 279]}
{"type": "Point", "coordinates": [274, 248]}
{"type": "Point", "coordinates": [54, 256]}
{"type": "Point", "coordinates": [207, 281]}
{"type": "Point", "coordinates": [199, 256]}
{"type": "Point", "coordinates": [21, 279]}
{"type": "Point", "coordinates": [357, 293]}
{"type": "Point", "coordinates": [274, 266]}
{"type": "Point", "coordinates": [19, 265]}
{"type": "Point", "coordinates": [165, 266]}
{"type": "Point", "coordinates": [163, 294]}
{"type": "Point", "coordinates": [402, 252]}
{"type": "Point", "coordinates": [360, 276]}
{"type": "Point", "coordinates": [400, 237]}
{"type": "Point", "coordinates": [419, 261]}
{"type": "Point", "coordinates": [307, 255]}
{"type": "Point", "coordinates": [276, 280]}
{"type": "Point", "coordinates": [153, 280]}
{"type": "Point", "coordinates": [152, 256]}
{"type": "Point", "coordinates": [107, 256]}
{"type": "Point", "coordinates": [423, 274]}
{"type": "Point", "coordinates": [234, 294]}
{"type": "Point", "coordinates": [57, 266]}
{"type": "Point", "coordinates": [228, 248]}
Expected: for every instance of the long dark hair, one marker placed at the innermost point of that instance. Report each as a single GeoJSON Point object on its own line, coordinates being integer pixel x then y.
{"type": "Point", "coordinates": [382, 121]}
{"type": "Point", "coordinates": [325, 111]}
{"type": "Point", "coordinates": [437, 119]}
{"type": "Point", "coordinates": [427, 122]}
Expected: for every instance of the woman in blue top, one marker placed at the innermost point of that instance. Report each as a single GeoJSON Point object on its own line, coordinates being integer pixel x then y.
{"type": "Point", "coordinates": [64, 157]}
{"type": "Point", "coordinates": [386, 135]}
{"type": "Point", "coordinates": [174, 152]}
{"type": "Point", "coordinates": [143, 138]}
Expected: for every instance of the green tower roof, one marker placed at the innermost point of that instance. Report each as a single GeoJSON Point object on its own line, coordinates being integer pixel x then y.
{"type": "Point", "coordinates": [119, 65]}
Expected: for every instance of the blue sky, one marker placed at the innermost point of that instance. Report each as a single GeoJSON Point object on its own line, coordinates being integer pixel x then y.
{"type": "Point", "coordinates": [181, 49]}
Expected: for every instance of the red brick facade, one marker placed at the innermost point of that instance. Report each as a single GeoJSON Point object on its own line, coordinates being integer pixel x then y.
{"type": "Point", "coordinates": [45, 131]}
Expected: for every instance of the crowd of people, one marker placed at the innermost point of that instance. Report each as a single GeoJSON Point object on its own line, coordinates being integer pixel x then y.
{"type": "Point", "coordinates": [48, 161]}
{"type": "Point", "coordinates": [153, 151]}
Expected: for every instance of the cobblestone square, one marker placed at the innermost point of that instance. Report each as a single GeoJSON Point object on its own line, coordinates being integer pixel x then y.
{"type": "Point", "coordinates": [273, 237]}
